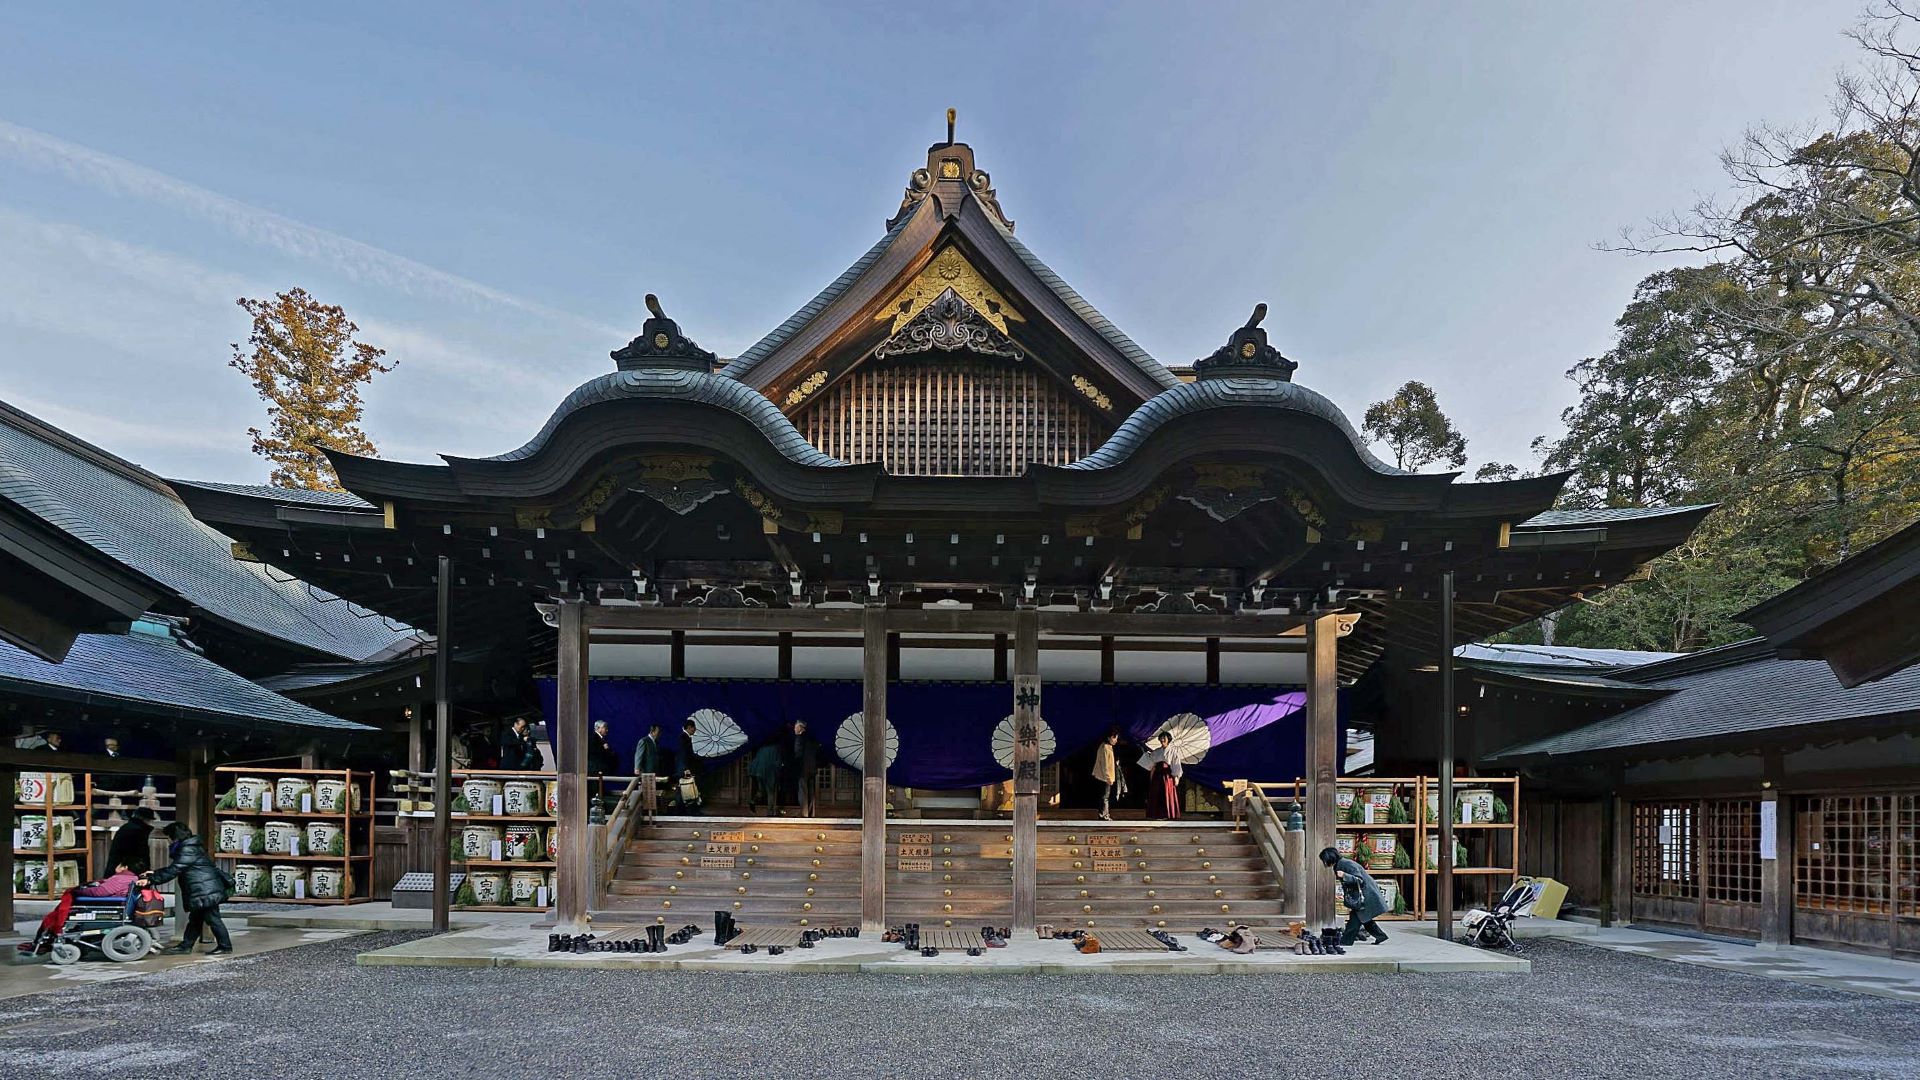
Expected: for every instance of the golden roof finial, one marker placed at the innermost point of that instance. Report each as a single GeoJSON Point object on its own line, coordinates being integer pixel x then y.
{"type": "Point", "coordinates": [952, 114]}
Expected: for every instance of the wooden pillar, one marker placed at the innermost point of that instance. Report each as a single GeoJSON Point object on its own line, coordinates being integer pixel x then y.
{"type": "Point", "coordinates": [873, 769]}
{"type": "Point", "coordinates": [1609, 843]}
{"type": "Point", "coordinates": [417, 735]}
{"type": "Point", "coordinates": [1620, 872]}
{"type": "Point", "coordinates": [193, 792]}
{"type": "Point", "coordinates": [1443, 881]}
{"type": "Point", "coordinates": [1323, 760]}
{"type": "Point", "coordinates": [442, 748]}
{"type": "Point", "coordinates": [1776, 870]}
{"type": "Point", "coordinates": [7, 779]}
{"type": "Point", "coordinates": [573, 875]}
{"type": "Point", "coordinates": [1026, 766]}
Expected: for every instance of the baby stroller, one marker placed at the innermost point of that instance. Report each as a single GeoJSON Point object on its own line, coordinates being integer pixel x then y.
{"type": "Point", "coordinates": [1494, 929]}
{"type": "Point", "coordinates": [119, 928]}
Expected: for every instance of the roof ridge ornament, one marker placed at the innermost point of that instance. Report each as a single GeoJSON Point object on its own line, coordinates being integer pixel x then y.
{"type": "Point", "coordinates": [1247, 355]}
{"type": "Point", "coordinates": [950, 177]}
{"type": "Point", "coordinates": [662, 345]}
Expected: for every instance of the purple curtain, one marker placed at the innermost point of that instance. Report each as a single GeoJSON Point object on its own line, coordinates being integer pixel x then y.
{"type": "Point", "coordinates": [946, 729]}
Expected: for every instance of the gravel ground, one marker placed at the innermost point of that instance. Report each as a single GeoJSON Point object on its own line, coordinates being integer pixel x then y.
{"type": "Point", "coordinates": [308, 1012]}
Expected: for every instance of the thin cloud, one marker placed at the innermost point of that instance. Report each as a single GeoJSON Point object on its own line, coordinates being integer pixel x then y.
{"type": "Point", "coordinates": [363, 262]}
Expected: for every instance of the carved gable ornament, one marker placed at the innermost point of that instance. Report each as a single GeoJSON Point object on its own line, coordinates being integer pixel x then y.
{"type": "Point", "coordinates": [949, 324]}
{"type": "Point", "coordinates": [949, 271]}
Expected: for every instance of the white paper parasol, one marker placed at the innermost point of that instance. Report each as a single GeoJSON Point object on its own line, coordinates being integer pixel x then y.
{"type": "Point", "coordinates": [850, 742]}
{"type": "Point", "coordinates": [715, 734]}
{"type": "Point", "coordinates": [1190, 736]}
{"type": "Point", "coordinates": [1003, 741]}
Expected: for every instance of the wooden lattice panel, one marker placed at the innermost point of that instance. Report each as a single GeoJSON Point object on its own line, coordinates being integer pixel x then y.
{"type": "Point", "coordinates": [1843, 850]}
{"type": "Point", "coordinates": [1907, 899]}
{"type": "Point", "coordinates": [1730, 850]}
{"type": "Point", "coordinates": [952, 415]}
{"type": "Point", "coordinates": [1663, 850]}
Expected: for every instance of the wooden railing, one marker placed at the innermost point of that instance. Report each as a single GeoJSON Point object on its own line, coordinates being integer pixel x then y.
{"type": "Point", "coordinates": [1254, 811]}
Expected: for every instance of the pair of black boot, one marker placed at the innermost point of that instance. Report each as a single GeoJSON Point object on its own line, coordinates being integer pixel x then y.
{"type": "Point", "coordinates": [724, 928]}
{"type": "Point", "coordinates": [683, 935]}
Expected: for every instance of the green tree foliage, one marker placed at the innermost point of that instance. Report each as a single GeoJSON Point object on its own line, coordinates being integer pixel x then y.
{"type": "Point", "coordinates": [1411, 424]}
{"type": "Point", "coordinates": [304, 361]}
{"type": "Point", "coordinates": [1780, 381]}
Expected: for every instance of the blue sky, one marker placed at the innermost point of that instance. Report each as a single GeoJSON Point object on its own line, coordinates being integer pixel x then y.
{"type": "Point", "coordinates": [1416, 190]}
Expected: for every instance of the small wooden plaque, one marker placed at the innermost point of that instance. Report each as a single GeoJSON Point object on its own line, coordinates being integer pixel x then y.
{"type": "Point", "coordinates": [916, 838]}
{"type": "Point", "coordinates": [916, 865]}
{"type": "Point", "coordinates": [716, 862]}
{"type": "Point", "coordinates": [1103, 840]}
{"type": "Point", "coordinates": [723, 849]}
{"type": "Point", "coordinates": [1109, 866]}
{"type": "Point", "coordinates": [727, 837]}
{"type": "Point", "coordinates": [1106, 853]}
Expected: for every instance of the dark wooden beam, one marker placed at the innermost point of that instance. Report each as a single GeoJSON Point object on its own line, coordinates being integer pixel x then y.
{"type": "Point", "coordinates": [873, 771]}
{"type": "Point", "coordinates": [1323, 760]}
{"type": "Point", "coordinates": [61, 761]}
{"type": "Point", "coordinates": [1026, 767]}
{"type": "Point", "coordinates": [575, 870]}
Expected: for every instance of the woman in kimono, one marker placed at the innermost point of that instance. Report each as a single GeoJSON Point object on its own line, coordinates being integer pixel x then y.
{"type": "Point", "coordinates": [1163, 788]}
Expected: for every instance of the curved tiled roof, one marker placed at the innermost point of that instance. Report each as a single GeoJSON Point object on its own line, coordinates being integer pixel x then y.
{"type": "Point", "coordinates": [765, 347]}
{"type": "Point", "coordinates": [133, 518]}
{"type": "Point", "coordinates": [1605, 514]}
{"type": "Point", "coordinates": [1186, 399]}
{"type": "Point", "coordinates": [153, 671]}
{"type": "Point", "coordinates": [341, 500]}
{"type": "Point", "coordinates": [676, 384]}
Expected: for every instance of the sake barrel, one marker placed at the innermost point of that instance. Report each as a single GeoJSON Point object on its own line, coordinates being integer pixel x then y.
{"type": "Point", "coordinates": [553, 845]}
{"type": "Point", "coordinates": [328, 883]}
{"type": "Point", "coordinates": [33, 833]}
{"type": "Point", "coordinates": [65, 835]}
{"type": "Point", "coordinates": [247, 878]}
{"type": "Point", "coordinates": [45, 787]}
{"type": "Point", "coordinates": [30, 878]}
{"type": "Point", "coordinates": [324, 836]}
{"type": "Point", "coordinates": [479, 792]}
{"type": "Point", "coordinates": [1343, 803]}
{"type": "Point", "coordinates": [523, 842]}
{"type": "Point", "coordinates": [1433, 854]}
{"type": "Point", "coordinates": [523, 886]}
{"type": "Point", "coordinates": [249, 791]}
{"type": "Point", "coordinates": [282, 880]}
{"type": "Point", "coordinates": [522, 797]}
{"type": "Point", "coordinates": [476, 841]}
{"type": "Point", "coordinates": [66, 875]}
{"type": "Point", "coordinates": [1389, 892]}
{"type": "Point", "coordinates": [231, 836]}
{"type": "Point", "coordinates": [1378, 807]}
{"type": "Point", "coordinates": [488, 886]}
{"type": "Point", "coordinates": [1380, 849]}
{"type": "Point", "coordinates": [1476, 806]}
{"type": "Point", "coordinates": [1346, 844]}
{"type": "Point", "coordinates": [553, 797]}
{"type": "Point", "coordinates": [1433, 806]}
{"type": "Point", "coordinates": [332, 795]}
{"type": "Point", "coordinates": [288, 793]}
{"type": "Point", "coordinates": [281, 836]}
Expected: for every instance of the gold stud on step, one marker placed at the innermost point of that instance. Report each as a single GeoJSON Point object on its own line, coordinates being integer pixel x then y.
{"type": "Point", "coordinates": [817, 850]}
{"type": "Point", "coordinates": [1206, 866]}
{"type": "Point", "coordinates": [806, 907]}
{"type": "Point", "coordinates": [666, 903]}
{"type": "Point", "coordinates": [804, 922]}
{"type": "Point", "coordinates": [946, 877]}
{"type": "Point", "coordinates": [746, 875]}
{"type": "Point", "coordinates": [819, 836]}
{"type": "Point", "coordinates": [1202, 851]}
{"type": "Point", "coordinates": [1147, 880]}
{"type": "Point", "coordinates": [946, 836]}
{"type": "Point", "coordinates": [1162, 924]}
{"type": "Point", "coordinates": [946, 892]}
{"type": "Point", "coordinates": [1088, 908]}
{"type": "Point", "coordinates": [946, 907]}
{"type": "Point", "coordinates": [1218, 893]}
{"type": "Point", "coordinates": [813, 877]}
{"type": "Point", "coordinates": [1133, 839]}
{"type": "Point", "coordinates": [696, 834]}
{"type": "Point", "coordinates": [673, 888]}
{"type": "Point", "coordinates": [809, 890]}
{"type": "Point", "coordinates": [1151, 894]}
{"type": "Point", "coordinates": [1213, 879]}
{"type": "Point", "coordinates": [1084, 894]}
{"type": "Point", "coordinates": [749, 862]}
{"type": "Point", "coordinates": [1224, 908]}
{"type": "Point", "coordinates": [659, 918]}
{"type": "Point", "coordinates": [1078, 865]}
{"type": "Point", "coordinates": [741, 889]}
{"type": "Point", "coordinates": [816, 862]}
{"type": "Point", "coordinates": [736, 903]}
{"type": "Point", "coordinates": [759, 836]}
{"type": "Point", "coordinates": [679, 873]}
{"type": "Point", "coordinates": [1156, 909]}
{"type": "Point", "coordinates": [755, 848]}
{"type": "Point", "coordinates": [1081, 880]}
{"type": "Point", "coordinates": [684, 861]}
{"type": "Point", "coordinates": [1073, 851]}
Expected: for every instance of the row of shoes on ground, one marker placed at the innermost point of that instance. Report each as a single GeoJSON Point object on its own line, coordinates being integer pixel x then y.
{"type": "Point", "coordinates": [1172, 943]}
{"type": "Point", "coordinates": [995, 937]}
{"type": "Point", "coordinates": [772, 950]}
{"type": "Point", "coordinates": [683, 935]}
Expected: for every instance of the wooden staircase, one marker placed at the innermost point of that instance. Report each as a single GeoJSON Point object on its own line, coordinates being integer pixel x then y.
{"type": "Point", "coordinates": [1180, 876]}
{"type": "Point", "coordinates": [792, 872]}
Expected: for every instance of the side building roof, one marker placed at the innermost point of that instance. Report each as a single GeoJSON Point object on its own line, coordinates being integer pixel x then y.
{"type": "Point", "coordinates": [136, 519]}
{"type": "Point", "coordinates": [150, 673]}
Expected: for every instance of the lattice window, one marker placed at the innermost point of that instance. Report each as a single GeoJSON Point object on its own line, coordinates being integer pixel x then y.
{"type": "Point", "coordinates": [951, 415]}
{"type": "Point", "coordinates": [1731, 847]}
{"type": "Point", "coordinates": [1843, 852]}
{"type": "Point", "coordinates": [1663, 850]}
{"type": "Point", "coordinates": [1907, 899]}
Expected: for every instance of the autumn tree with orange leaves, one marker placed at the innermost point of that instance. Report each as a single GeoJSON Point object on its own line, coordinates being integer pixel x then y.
{"type": "Point", "coordinates": [304, 361]}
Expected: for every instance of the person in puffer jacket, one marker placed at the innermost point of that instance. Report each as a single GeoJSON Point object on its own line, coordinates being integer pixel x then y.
{"type": "Point", "coordinates": [203, 888]}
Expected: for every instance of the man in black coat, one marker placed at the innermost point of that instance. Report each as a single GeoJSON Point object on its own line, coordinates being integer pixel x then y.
{"type": "Point", "coordinates": [601, 760]}
{"type": "Point", "coordinates": [130, 846]}
{"type": "Point", "coordinates": [519, 750]}
{"type": "Point", "coordinates": [689, 760]}
{"type": "Point", "coordinates": [804, 759]}
{"type": "Point", "coordinates": [203, 888]}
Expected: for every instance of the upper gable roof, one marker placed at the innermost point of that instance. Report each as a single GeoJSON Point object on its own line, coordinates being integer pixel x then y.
{"type": "Point", "coordinates": [937, 213]}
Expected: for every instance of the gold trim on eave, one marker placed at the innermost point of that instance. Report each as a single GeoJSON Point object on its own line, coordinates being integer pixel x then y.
{"type": "Point", "coordinates": [949, 270]}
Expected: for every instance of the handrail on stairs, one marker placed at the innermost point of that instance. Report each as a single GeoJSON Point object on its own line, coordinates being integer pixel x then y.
{"type": "Point", "coordinates": [1281, 839]}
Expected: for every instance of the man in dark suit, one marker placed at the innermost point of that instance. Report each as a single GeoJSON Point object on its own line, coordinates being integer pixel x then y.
{"type": "Point", "coordinates": [689, 761]}
{"type": "Point", "coordinates": [804, 759]}
{"type": "Point", "coordinates": [129, 847]}
{"type": "Point", "coordinates": [519, 750]}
